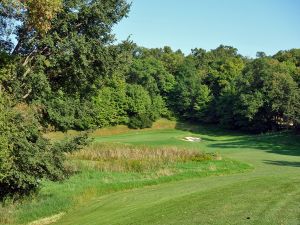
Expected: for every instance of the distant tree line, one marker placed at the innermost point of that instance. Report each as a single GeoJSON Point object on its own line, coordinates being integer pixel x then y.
{"type": "Point", "coordinates": [64, 71]}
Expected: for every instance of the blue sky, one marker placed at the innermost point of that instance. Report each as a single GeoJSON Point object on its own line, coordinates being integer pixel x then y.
{"type": "Point", "coordinates": [249, 25]}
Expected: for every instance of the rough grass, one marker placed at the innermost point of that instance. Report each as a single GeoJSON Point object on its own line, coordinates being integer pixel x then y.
{"type": "Point", "coordinates": [128, 158]}
{"type": "Point", "coordinates": [7, 211]}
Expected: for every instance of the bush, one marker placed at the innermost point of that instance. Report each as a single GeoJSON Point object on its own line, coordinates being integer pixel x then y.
{"type": "Point", "coordinates": [110, 105]}
{"type": "Point", "coordinates": [25, 156]}
{"type": "Point", "coordinates": [140, 122]}
{"type": "Point", "coordinates": [68, 112]}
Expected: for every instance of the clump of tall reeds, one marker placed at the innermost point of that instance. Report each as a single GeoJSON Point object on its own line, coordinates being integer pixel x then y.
{"type": "Point", "coordinates": [128, 158]}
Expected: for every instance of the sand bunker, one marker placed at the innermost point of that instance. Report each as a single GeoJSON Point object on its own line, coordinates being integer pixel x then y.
{"type": "Point", "coordinates": [192, 139]}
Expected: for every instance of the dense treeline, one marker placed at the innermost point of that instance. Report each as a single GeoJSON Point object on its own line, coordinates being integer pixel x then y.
{"type": "Point", "coordinates": [64, 71]}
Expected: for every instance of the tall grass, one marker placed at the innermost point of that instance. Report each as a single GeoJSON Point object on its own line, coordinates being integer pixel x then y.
{"type": "Point", "coordinates": [7, 211]}
{"type": "Point", "coordinates": [127, 158]}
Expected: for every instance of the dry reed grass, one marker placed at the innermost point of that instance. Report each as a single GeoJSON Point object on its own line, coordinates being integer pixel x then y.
{"type": "Point", "coordinates": [124, 158]}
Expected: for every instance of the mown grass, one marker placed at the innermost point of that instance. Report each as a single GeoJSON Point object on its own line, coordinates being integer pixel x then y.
{"type": "Point", "coordinates": [267, 195]}
{"type": "Point", "coordinates": [103, 168]}
{"type": "Point", "coordinates": [163, 194]}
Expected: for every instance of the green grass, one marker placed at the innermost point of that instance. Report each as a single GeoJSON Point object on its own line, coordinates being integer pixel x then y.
{"type": "Point", "coordinates": [107, 168]}
{"type": "Point", "coordinates": [267, 194]}
{"type": "Point", "coordinates": [270, 194]}
{"type": "Point", "coordinates": [88, 184]}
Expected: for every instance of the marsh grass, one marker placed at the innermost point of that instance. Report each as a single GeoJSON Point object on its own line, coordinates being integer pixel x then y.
{"type": "Point", "coordinates": [128, 158]}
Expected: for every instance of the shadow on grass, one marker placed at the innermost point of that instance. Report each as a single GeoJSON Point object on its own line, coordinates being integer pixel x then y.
{"type": "Point", "coordinates": [282, 163]}
{"type": "Point", "coordinates": [276, 144]}
{"type": "Point", "coordinates": [285, 143]}
{"type": "Point", "coordinates": [208, 129]}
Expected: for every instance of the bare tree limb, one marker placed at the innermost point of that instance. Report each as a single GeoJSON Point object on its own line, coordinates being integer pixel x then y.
{"type": "Point", "coordinates": [28, 93]}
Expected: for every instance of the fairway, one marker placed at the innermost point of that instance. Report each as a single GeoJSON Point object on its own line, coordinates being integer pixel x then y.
{"type": "Point", "coordinates": [268, 194]}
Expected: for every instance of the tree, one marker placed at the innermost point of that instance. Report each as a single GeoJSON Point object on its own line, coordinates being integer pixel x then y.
{"type": "Point", "coordinates": [72, 54]}
{"type": "Point", "coordinates": [219, 68]}
{"type": "Point", "coordinates": [152, 75]}
{"type": "Point", "coordinates": [64, 54]}
{"type": "Point", "coordinates": [268, 96]}
{"type": "Point", "coordinates": [110, 104]}
{"type": "Point", "coordinates": [190, 98]}
{"type": "Point", "coordinates": [139, 107]}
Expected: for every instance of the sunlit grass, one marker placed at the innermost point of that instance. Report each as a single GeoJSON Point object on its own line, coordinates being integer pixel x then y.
{"type": "Point", "coordinates": [128, 158]}
{"type": "Point", "coordinates": [107, 131]}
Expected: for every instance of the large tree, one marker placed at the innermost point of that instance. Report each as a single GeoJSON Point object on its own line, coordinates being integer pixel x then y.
{"type": "Point", "coordinates": [219, 69]}
{"type": "Point", "coordinates": [65, 60]}
{"type": "Point", "coordinates": [72, 53]}
{"type": "Point", "coordinates": [54, 57]}
{"type": "Point", "coordinates": [268, 96]}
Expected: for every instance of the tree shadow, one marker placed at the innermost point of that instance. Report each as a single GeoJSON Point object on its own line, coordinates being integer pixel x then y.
{"type": "Point", "coordinates": [282, 163]}
{"type": "Point", "coordinates": [285, 143]}
{"type": "Point", "coordinates": [207, 129]}
{"type": "Point", "coordinates": [280, 143]}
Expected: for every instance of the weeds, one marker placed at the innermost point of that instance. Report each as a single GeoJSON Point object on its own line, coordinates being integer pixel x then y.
{"type": "Point", "coordinates": [126, 158]}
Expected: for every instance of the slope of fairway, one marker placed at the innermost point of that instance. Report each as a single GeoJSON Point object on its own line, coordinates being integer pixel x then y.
{"type": "Point", "coordinates": [270, 194]}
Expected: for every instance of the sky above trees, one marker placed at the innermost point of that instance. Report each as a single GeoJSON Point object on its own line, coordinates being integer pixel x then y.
{"type": "Point", "coordinates": [250, 26]}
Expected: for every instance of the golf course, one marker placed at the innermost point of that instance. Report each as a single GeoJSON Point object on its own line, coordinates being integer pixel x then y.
{"type": "Point", "coordinates": [268, 194]}
{"type": "Point", "coordinates": [259, 184]}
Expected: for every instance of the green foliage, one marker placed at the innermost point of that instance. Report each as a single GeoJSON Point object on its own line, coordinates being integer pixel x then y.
{"type": "Point", "coordinates": [70, 59]}
{"type": "Point", "coordinates": [139, 100]}
{"type": "Point", "coordinates": [110, 105]}
{"type": "Point", "coordinates": [152, 75]}
{"type": "Point", "coordinates": [25, 156]}
{"type": "Point", "coordinates": [139, 107]}
{"type": "Point", "coordinates": [190, 97]}
{"type": "Point", "coordinates": [65, 113]}
{"type": "Point", "coordinates": [140, 121]}
{"type": "Point", "coordinates": [202, 99]}
{"type": "Point", "coordinates": [60, 111]}
{"type": "Point", "coordinates": [219, 68]}
{"type": "Point", "coordinates": [268, 96]}
{"type": "Point", "coordinates": [170, 59]}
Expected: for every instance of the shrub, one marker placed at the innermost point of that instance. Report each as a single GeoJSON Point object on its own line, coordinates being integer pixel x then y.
{"type": "Point", "coordinates": [25, 156]}
{"type": "Point", "coordinates": [140, 122]}
{"type": "Point", "coordinates": [110, 105]}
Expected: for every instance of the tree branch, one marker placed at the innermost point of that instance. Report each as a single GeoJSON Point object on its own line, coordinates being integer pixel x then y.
{"type": "Point", "coordinates": [28, 93]}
